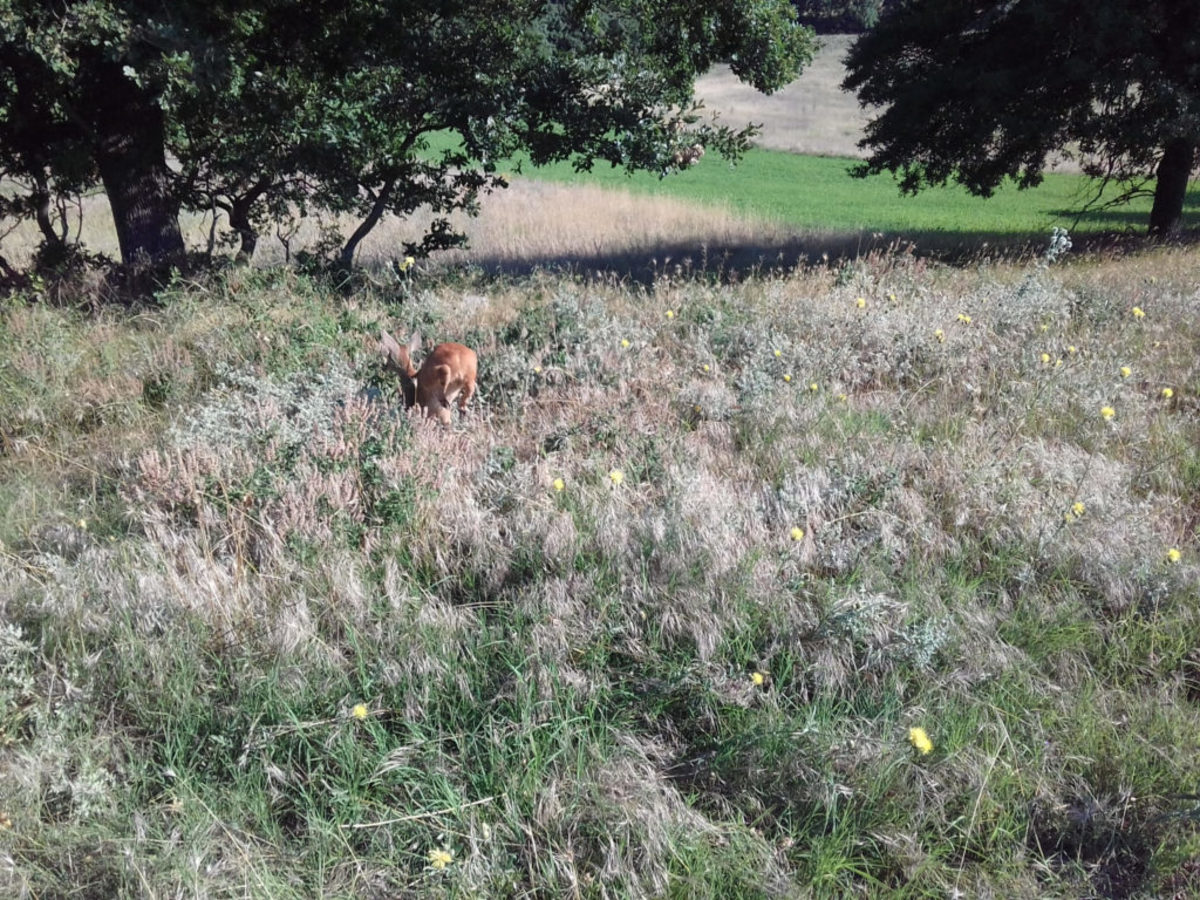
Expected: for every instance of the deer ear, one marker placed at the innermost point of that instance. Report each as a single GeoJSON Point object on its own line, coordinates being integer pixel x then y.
{"type": "Point", "coordinates": [414, 342]}
{"type": "Point", "coordinates": [388, 346]}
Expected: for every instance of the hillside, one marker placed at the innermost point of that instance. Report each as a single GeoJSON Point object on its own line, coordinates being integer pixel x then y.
{"type": "Point", "coordinates": [811, 115]}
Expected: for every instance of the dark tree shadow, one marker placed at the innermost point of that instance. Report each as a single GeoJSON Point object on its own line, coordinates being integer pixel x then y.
{"type": "Point", "coordinates": [734, 262]}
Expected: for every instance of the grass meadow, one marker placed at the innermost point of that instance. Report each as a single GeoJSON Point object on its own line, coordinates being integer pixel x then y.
{"type": "Point", "coordinates": [814, 194]}
{"type": "Point", "coordinates": [774, 558]}
{"type": "Point", "coordinates": [872, 579]}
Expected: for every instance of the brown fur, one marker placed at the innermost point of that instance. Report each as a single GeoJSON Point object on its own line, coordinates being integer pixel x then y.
{"type": "Point", "coordinates": [448, 373]}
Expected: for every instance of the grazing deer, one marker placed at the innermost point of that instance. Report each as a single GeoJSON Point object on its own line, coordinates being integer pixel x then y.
{"type": "Point", "coordinates": [447, 372]}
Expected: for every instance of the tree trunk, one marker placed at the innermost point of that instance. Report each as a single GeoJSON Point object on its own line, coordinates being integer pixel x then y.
{"type": "Point", "coordinates": [41, 196]}
{"type": "Point", "coordinates": [129, 135]}
{"type": "Point", "coordinates": [239, 221]}
{"type": "Point", "coordinates": [378, 208]}
{"type": "Point", "coordinates": [1174, 169]}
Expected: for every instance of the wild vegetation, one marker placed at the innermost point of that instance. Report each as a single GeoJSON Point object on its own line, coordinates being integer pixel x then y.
{"type": "Point", "coordinates": [876, 579]}
{"type": "Point", "coordinates": [766, 561]}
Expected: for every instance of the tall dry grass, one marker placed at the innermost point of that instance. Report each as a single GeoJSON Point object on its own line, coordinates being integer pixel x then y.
{"type": "Point", "coordinates": [267, 636]}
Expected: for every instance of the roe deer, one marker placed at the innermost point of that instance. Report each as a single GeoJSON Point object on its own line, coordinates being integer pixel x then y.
{"type": "Point", "coordinates": [448, 372]}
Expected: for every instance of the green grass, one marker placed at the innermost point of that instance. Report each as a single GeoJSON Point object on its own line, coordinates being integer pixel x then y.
{"type": "Point", "coordinates": [817, 193]}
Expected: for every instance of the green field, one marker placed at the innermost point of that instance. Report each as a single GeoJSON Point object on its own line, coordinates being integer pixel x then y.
{"type": "Point", "coordinates": [817, 193]}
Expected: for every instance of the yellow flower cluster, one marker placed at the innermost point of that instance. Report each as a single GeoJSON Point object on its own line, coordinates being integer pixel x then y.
{"type": "Point", "coordinates": [920, 741]}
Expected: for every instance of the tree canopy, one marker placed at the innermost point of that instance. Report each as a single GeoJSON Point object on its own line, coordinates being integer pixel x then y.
{"type": "Point", "coordinates": [264, 109]}
{"type": "Point", "coordinates": [982, 92]}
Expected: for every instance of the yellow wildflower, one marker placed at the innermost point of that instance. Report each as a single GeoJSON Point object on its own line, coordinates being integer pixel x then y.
{"type": "Point", "coordinates": [861, 302]}
{"type": "Point", "coordinates": [360, 711]}
{"type": "Point", "coordinates": [1126, 371]}
{"type": "Point", "coordinates": [559, 484]}
{"type": "Point", "coordinates": [406, 264]}
{"type": "Point", "coordinates": [1078, 508]}
{"type": "Point", "coordinates": [1071, 350]}
{"type": "Point", "coordinates": [814, 387]}
{"type": "Point", "coordinates": [940, 335]}
{"type": "Point", "coordinates": [964, 318]}
{"type": "Point", "coordinates": [1173, 555]}
{"type": "Point", "coordinates": [1046, 359]}
{"type": "Point", "coordinates": [787, 377]}
{"type": "Point", "coordinates": [83, 524]}
{"type": "Point", "coordinates": [439, 858]}
{"type": "Point", "coordinates": [670, 313]}
{"type": "Point", "coordinates": [797, 533]}
{"type": "Point", "coordinates": [1107, 411]}
{"type": "Point", "coordinates": [617, 476]}
{"type": "Point", "coordinates": [706, 367]}
{"type": "Point", "coordinates": [624, 342]}
{"type": "Point", "coordinates": [778, 353]}
{"type": "Point", "coordinates": [537, 370]}
{"type": "Point", "coordinates": [892, 297]}
{"type": "Point", "coordinates": [759, 678]}
{"type": "Point", "coordinates": [920, 740]}
{"type": "Point", "coordinates": [1167, 393]}
{"type": "Point", "coordinates": [1138, 313]}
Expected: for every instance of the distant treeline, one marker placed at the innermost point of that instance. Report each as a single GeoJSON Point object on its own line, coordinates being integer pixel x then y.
{"type": "Point", "coordinates": [841, 16]}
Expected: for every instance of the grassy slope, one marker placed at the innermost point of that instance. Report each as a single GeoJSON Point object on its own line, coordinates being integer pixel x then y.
{"type": "Point", "coordinates": [212, 552]}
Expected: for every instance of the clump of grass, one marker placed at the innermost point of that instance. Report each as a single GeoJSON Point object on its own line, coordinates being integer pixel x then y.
{"type": "Point", "coordinates": [652, 619]}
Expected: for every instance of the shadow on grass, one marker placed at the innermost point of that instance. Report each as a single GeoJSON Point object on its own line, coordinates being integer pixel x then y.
{"type": "Point", "coordinates": [1124, 219]}
{"type": "Point", "coordinates": [733, 262]}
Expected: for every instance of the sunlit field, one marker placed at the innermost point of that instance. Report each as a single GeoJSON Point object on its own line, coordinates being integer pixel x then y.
{"type": "Point", "coordinates": [801, 540]}
{"type": "Point", "coordinates": [869, 580]}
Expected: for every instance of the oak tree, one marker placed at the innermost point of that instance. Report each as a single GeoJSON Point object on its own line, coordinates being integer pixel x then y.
{"type": "Point", "coordinates": [264, 109]}
{"type": "Point", "coordinates": [985, 91]}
